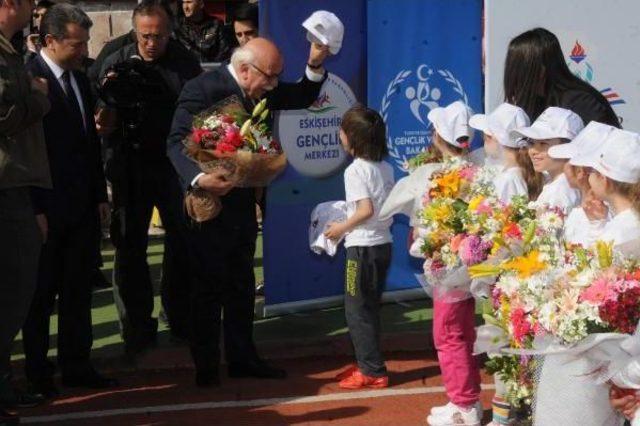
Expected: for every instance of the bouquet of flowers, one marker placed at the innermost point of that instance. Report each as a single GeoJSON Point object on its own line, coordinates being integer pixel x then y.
{"type": "Point", "coordinates": [226, 139]}
{"type": "Point", "coordinates": [527, 258]}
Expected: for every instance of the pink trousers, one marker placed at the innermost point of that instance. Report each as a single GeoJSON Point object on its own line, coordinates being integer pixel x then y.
{"type": "Point", "coordinates": [454, 334]}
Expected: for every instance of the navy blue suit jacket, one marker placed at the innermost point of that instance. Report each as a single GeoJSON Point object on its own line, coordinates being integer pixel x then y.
{"type": "Point", "coordinates": [74, 153]}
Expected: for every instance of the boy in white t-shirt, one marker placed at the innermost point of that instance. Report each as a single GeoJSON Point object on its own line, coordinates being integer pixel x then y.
{"type": "Point", "coordinates": [555, 126]}
{"type": "Point", "coordinates": [367, 181]}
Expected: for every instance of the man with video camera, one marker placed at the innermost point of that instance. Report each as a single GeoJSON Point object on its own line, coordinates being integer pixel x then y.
{"type": "Point", "coordinates": [140, 85]}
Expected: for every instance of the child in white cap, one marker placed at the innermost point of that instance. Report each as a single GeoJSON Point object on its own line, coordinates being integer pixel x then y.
{"type": "Point", "coordinates": [454, 321]}
{"type": "Point", "coordinates": [517, 176]}
{"type": "Point", "coordinates": [615, 178]}
{"type": "Point", "coordinates": [585, 223]}
{"type": "Point", "coordinates": [555, 126]}
{"type": "Point", "coordinates": [565, 386]}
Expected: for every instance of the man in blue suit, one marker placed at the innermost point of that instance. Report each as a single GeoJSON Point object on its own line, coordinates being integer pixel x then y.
{"type": "Point", "coordinates": [222, 249]}
{"type": "Point", "coordinates": [79, 191]}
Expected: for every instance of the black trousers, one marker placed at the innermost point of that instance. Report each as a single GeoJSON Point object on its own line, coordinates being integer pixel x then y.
{"type": "Point", "coordinates": [149, 184]}
{"type": "Point", "coordinates": [65, 266]}
{"type": "Point", "coordinates": [224, 286]}
{"type": "Point", "coordinates": [20, 245]}
{"type": "Point", "coordinates": [366, 274]}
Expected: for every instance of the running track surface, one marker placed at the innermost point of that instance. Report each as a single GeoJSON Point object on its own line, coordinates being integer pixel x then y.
{"type": "Point", "coordinates": [308, 397]}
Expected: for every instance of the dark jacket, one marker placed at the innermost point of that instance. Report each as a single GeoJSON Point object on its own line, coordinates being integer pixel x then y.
{"type": "Point", "coordinates": [171, 71]}
{"type": "Point", "coordinates": [109, 49]}
{"type": "Point", "coordinates": [208, 39]}
{"type": "Point", "coordinates": [23, 154]}
{"type": "Point", "coordinates": [205, 91]}
{"type": "Point", "coordinates": [589, 107]}
{"type": "Point", "coordinates": [74, 153]}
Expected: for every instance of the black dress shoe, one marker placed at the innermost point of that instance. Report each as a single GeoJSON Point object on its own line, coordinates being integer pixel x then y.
{"type": "Point", "coordinates": [45, 387]}
{"type": "Point", "coordinates": [21, 399]}
{"type": "Point", "coordinates": [258, 369]}
{"type": "Point", "coordinates": [207, 378]}
{"type": "Point", "coordinates": [88, 379]}
{"type": "Point", "coordinates": [8, 418]}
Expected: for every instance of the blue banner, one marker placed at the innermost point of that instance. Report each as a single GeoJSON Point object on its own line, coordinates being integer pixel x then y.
{"type": "Point", "coordinates": [421, 54]}
{"type": "Point", "coordinates": [295, 277]}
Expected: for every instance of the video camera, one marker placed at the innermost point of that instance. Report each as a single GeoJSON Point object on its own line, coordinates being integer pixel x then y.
{"type": "Point", "coordinates": [132, 84]}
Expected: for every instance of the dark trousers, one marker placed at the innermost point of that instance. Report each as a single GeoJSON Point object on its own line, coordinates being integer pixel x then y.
{"type": "Point", "coordinates": [366, 274]}
{"type": "Point", "coordinates": [20, 244]}
{"type": "Point", "coordinates": [64, 271]}
{"type": "Point", "coordinates": [149, 184]}
{"type": "Point", "coordinates": [223, 281]}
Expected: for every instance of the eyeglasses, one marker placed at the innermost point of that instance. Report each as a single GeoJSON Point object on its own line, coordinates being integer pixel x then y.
{"type": "Point", "coordinates": [152, 37]}
{"type": "Point", "coordinates": [269, 77]}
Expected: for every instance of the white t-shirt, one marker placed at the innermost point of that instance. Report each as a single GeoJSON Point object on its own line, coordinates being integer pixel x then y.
{"type": "Point", "coordinates": [578, 229]}
{"type": "Point", "coordinates": [624, 227]}
{"type": "Point", "coordinates": [558, 193]}
{"type": "Point", "coordinates": [373, 180]}
{"type": "Point", "coordinates": [509, 183]}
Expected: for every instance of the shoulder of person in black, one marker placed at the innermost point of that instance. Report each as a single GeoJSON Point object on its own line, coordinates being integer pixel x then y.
{"type": "Point", "coordinates": [590, 105]}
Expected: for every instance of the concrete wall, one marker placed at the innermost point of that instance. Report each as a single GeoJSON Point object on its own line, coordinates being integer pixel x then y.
{"type": "Point", "coordinates": [110, 19]}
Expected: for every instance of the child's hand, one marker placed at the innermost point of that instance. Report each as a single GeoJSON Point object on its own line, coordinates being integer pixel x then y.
{"type": "Point", "coordinates": [335, 230]}
{"type": "Point", "coordinates": [594, 208]}
{"type": "Point", "coordinates": [624, 400]}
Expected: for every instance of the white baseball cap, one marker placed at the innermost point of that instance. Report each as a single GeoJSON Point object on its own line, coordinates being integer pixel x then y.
{"type": "Point", "coordinates": [326, 28]}
{"type": "Point", "coordinates": [452, 122]}
{"type": "Point", "coordinates": [554, 123]}
{"type": "Point", "coordinates": [618, 157]}
{"type": "Point", "coordinates": [590, 138]}
{"type": "Point", "coordinates": [501, 122]}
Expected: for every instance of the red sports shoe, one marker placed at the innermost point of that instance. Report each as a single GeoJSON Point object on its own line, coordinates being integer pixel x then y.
{"type": "Point", "coordinates": [357, 380]}
{"type": "Point", "coordinates": [351, 368]}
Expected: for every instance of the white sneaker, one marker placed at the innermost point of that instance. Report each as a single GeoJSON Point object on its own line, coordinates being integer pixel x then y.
{"type": "Point", "coordinates": [456, 416]}
{"type": "Point", "coordinates": [442, 409]}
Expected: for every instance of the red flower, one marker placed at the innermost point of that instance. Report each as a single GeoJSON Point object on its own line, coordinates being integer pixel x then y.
{"type": "Point", "coordinates": [512, 230]}
{"type": "Point", "coordinates": [233, 138]}
{"type": "Point", "coordinates": [274, 145]}
{"type": "Point", "coordinates": [521, 326]}
{"type": "Point", "coordinates": [224, 147]}
{"type": "Point", "coordinates": [197, 135]}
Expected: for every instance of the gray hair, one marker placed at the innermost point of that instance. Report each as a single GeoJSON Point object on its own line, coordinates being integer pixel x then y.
{"type": "Point", "coordinates": [242, 55]}
{"type": "Point", "coordinates": [56, 19]}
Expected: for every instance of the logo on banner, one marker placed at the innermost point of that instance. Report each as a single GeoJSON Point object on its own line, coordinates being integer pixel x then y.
{"type": "Point", "coordinates": [408, 99]}
{"type": "Point", "coordinates": [311, 137]}
{"type": "Point", "coordinates": [584, 70]}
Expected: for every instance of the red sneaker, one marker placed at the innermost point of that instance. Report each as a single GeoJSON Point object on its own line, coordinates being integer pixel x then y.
{"type": "Point", "coordinates": [351, 368]}
{"type": "Point", "coordinates": [357, 380]}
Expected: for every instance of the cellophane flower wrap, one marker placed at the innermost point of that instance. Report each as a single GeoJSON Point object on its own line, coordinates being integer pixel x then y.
{"type": "Point", "coordinates": [527, 258]}
{"type": "Point", "coordinates": [226, 139]}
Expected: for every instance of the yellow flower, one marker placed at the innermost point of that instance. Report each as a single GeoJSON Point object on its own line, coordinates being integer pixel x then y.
{"type": "Point", "coordinates": [449, 184]}
{"type": "Point", "coordinates": [527, 265]}
{"type": "Point", "coordinates": [442, 213]}
{"type": "Point", "coordinates": [475, 202]}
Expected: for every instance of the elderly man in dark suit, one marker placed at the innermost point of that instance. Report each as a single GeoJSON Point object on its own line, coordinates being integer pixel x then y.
{"type": "Point", "coordinates": [79, 190]}
{"type": "Point", "coordinates": [223, 248]}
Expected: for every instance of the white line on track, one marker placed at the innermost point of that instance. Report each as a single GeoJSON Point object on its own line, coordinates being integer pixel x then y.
{"type": "Point", "coordinates": [342, 396]}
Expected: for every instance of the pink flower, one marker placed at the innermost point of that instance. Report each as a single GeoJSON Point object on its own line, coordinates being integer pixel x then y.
{"type": "Point", "coordinates": [484, 207]}
{"type": "Point", "coordinates": [198, 135]}
{"type": "Point", "coordinates": [473, 250]}
{"type": "Point", "coordinates": [468, 173]}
